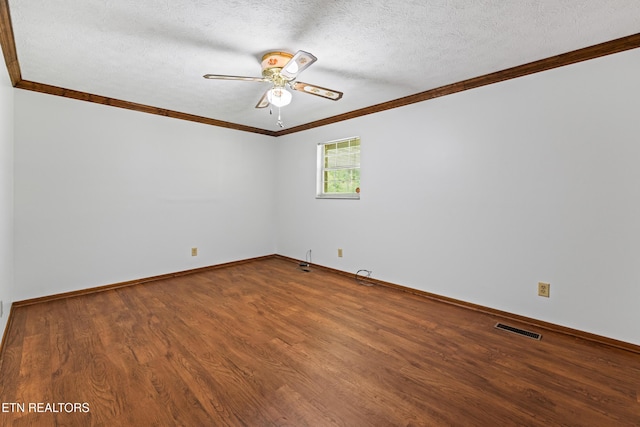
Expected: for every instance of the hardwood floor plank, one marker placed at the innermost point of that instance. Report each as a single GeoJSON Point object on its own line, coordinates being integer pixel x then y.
{"type": "Point", "coordinates": [263, 343]}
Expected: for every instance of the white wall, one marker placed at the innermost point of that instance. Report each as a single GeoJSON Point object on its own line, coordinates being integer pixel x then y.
{"type": "Point", "coordinates": [479, 195]}
{"type": "Point", "coordinates": [476, 196]}
{"type": "Point", "coordinates": [6, 196]}
{"type": "Point", "coordinates": [104, 195]}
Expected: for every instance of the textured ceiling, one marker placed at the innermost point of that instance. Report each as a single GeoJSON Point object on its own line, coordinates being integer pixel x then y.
{"type": "Point", "coordinates": [155, 52]}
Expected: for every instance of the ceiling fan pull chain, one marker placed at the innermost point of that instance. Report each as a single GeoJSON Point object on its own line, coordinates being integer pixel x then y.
{"type": "Point", "coordinates": [280, 119]}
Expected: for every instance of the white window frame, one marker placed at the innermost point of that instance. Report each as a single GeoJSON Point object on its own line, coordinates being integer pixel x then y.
{"type": "Point", "coordinates": [320, 194]}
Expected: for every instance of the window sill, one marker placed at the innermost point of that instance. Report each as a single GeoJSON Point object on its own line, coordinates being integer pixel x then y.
{"type": "Point", "coordinates": [338, 196]}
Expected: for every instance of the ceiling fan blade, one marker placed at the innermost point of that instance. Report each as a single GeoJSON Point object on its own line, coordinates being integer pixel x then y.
{"type": "Point", "coordinates": [297, 64]}
{"type": "Point", "coordinates": [331, 94]}
{"type": "Point", "coordinates": [264, 102]}
{"type": "Point", "coordinates": [223, 77]}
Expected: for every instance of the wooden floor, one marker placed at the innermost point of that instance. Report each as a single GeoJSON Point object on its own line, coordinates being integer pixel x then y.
{"type": "Point", "coordinates": [264, 343]}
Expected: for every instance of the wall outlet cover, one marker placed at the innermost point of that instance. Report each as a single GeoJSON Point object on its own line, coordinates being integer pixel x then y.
{"type": "Point", "coordinates": [544, 289]}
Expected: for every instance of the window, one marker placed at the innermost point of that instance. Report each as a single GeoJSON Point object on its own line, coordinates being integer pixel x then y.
{"type": "Point", "coordinates": [339, 169]}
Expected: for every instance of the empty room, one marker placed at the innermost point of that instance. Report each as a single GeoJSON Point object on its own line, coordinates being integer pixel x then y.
{"type": "Point", "coordinates": [318, 213]}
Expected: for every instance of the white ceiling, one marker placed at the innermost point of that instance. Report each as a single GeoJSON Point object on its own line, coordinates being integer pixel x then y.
{"type": "Point", "coordinates": [155, 52]}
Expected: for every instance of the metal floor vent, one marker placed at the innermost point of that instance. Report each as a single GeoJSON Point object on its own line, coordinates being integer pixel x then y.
{"type": "Point", "coordinates": [518, 331]}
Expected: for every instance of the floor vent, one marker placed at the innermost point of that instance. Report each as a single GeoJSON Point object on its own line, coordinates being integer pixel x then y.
{"type": "Point", "coordinates": [518, 331]}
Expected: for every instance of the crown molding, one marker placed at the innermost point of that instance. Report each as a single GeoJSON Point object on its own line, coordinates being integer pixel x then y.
{"type": "Point", "coordinates": [580, 55]}
{"type": "Point", "coordinates": [7, 42]}
{"type": "Point", "coordinates": [113, 102]}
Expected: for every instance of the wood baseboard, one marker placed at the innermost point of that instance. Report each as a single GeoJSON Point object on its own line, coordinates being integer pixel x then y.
{"type": "Point", "coordinates": [487, 310]}
{"type": "Point", "coordinates": [133, 282]}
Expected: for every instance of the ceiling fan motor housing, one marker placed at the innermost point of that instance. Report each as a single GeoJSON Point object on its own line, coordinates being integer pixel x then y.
{"type": "Point", "coordinates": [273, 62]}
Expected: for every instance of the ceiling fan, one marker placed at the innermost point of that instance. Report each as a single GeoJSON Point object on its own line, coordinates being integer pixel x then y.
{"type": "Point", "coordinates": [281, 70]}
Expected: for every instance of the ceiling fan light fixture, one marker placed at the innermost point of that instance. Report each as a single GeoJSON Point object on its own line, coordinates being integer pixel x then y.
{"type": "Point", "coordinates": [279, 96]}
